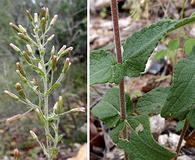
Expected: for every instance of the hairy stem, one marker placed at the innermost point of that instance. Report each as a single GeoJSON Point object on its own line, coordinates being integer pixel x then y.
{"type": "Point", "coordinates": [46, 110]}
{"type": "Point", "coordinates": [115, 19]}
{"type": "Point", "coordinates": [183, 133]}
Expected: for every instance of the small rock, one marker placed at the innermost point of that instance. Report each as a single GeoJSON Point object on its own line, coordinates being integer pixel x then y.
{"type": "Point", "coordinates": [170, 140]}
{"type": "Point", "coordinates": [192, 32]}
{"type": "Point", "coordinates": [184, 157]}
{"type": "Point", "coordinates": [157, 124]}
{"type": "Point", "coordinates": [173, 140]}
{"type": "Point", "coordinates": [163, 139]}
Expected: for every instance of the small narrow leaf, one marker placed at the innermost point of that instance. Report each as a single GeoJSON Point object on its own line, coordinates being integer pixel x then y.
{"type": "Point", "coordinates": [38, 70]}
{"type": "Point", "coordinates": [153, 101]}
{"type": "Point", "coordinates": [52, 88]}
{"type": "Point", "coordinates": [141, 145]}
{"type": "Point", "coordinates": [108, 108]}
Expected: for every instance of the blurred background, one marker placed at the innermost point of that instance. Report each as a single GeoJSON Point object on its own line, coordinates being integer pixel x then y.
{"type": "Point", "coordinates": [134, 15]}
{"type": "Point", "coordinates": [71, 30]}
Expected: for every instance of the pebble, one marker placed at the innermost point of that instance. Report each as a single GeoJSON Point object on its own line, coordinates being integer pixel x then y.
{"type": "Point", "coordinates": [184, 157]}
{"type": "Point", "coordinates": [157, 124]}
{"type": "Point", "coordinates": [170, 140]}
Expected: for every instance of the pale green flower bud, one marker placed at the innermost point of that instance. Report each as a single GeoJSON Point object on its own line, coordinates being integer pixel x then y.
{"type": "Point", "coordinates": [67, 64]}
{"type": "Point", "coordinates": [56, 107]}
{"type": "Point", "coordinates": [53, 50]}
{"type": "Point", "coordinates": [61, 101]}
{"type": "Point", "coordinates": [35, 83]}
{"type": "Point", "coordinates": [13, 118]}
{"type": "Point", "coordinates": [40, 66]}
{"type": "Point", "coordinates": [59, 106]}
{"type": "Point", "coordinates": [47, 14]}
{"type": "Point", "coordinates": [20, 90]}
{"type": "Point", "coordinates": [24, 37]}
{"type": "Point", "coordinates": [43, 24]}
{"type": "Point", "coordinates": [20, 68]}
{"type": "Point", "coordinates": [26, 56]}
{"type": "Point", "coordinates": [21, 76]}
{"type": "Point", "coordinates": [53, 21]}
{"type": "Point", "coordinates": [29, 49]}
{"type": "Point", "coordinates": [62, 49]}
{"type": "Point", "coordinates": [54, 62]}
{"type": "Point", "coordinates": [42, 13]}
{"type": "Point", "coordinates": [22, 29]}
{"type": "Point", "coordinates": [29, 15]}
{"type": "Point", "coordinates": [16, 28]}
{"type": "Point", "coordinates": [40, 116]}
{"type": "Point", "coordinates": [34, 136]}
{"type": "Point", "coordinates": [14, 47]}
{"type": "Point", "coordinates": [50, 38]}
{"type": "Point", "coordinates": [66, 51]}
{"type": "Point", "coordinates": [35, 17]}
{"type": "Point", "coordinates": [11, 95]}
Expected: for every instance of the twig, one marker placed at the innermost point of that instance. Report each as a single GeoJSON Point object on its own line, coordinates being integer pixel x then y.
{"type": "Point", "coordinates": [183, 133]}
{"type": "Point", "coordinates": [183, 9]}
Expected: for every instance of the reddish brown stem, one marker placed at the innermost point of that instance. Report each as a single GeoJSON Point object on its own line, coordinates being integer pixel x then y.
{"type": "Point", "coordinates": [183, 133]}
{"type": "Point", "coordinates": [115, 19]}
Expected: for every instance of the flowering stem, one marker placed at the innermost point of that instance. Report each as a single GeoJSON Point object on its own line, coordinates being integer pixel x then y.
{"type": "Point", "coordinates": [115, 19]}
{"type": "Point", "coordinates": [49, 119]}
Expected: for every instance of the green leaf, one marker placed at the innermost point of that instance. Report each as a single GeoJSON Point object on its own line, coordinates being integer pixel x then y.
{"type": "Point", "coordinates": [141, 44]}
{"type": "Point", "coordinates": [188, 45]}
{"type": "Point", "coordinates": [182, 92]}
{"type": "Point", "coordinates": [166, 52]}
{"type": "Point", "coordinates": [137, 49]}
{"type": "Point", "coordinates": [52, 88]}
{"type": "Point", "coordinates": [180, 126]}
{"type": "Point", "coordinates": [141, 145]}
{"type": "Point", "coordinates": [104, 68]}
{"type": "Point", "coordinates": [173, 44]}
{"type": "Point", "coordinates": [153, 101]}
{"type": "Point", "coordinates": [37, 70]}
{"type": "Point", "coordinates": [191, 118]}
{"type": "Point", "coordinates": [161, 54]}
{"type": "Point", "coordinates": [108, 108]}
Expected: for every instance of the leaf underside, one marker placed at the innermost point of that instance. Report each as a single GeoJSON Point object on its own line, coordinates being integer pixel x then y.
{"type": "Point", "coordinates": [141, 146]}
{"type": "Point", "coordinates": [137, 49]}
